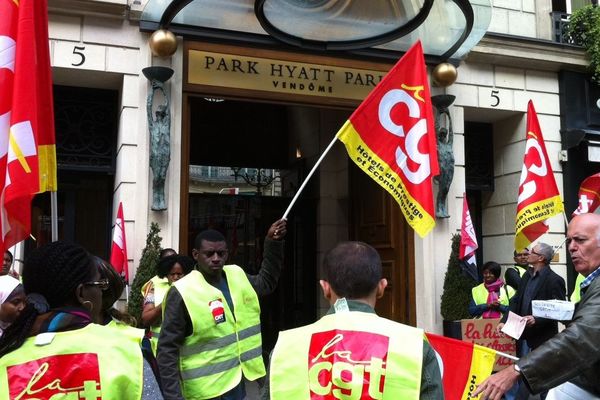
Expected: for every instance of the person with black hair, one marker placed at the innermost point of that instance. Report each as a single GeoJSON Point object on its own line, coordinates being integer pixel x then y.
{"type": "Point", "coordinates": [490, 298]}
{"type": "Point", "coordinates": [166, 253]}
{"type": "Point", "coordinates": [7, 263]}
{"type": "Point", "coordinates": [116, 285]}
{"type": "Point", "coordinates": [55, 348]}
{"type": "Point", "coordinates": [153, 292]}
{"type": "Point", "coordinates": [210, 338]}
{"type": "Point", "coordinates": [172, 268]}
{"type": "Point", "coordinates": [513, 274]}
{"type": "Point", "coordinates": [351, 351]}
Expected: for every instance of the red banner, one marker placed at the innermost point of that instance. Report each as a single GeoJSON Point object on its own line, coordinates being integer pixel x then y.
{"type": "Point", "coordinates": [589, 195]}
{"type": "Point", "coordinates": [27, 150]}
{"type": "Point", "coordinates": [118, 253]}
{"type": "Point", "coordinates": [391, 137]}
{"type": "Point", "coordinates": [538, 194]}
{"type": "Point", "coordinates": [468, 240]}
{"type": "Point", "coordinates": [464, 365]}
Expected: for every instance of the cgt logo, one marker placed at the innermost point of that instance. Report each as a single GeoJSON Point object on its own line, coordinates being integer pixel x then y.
{"type": "Point", "coordinates": [347, 365]}
{"type": "Point", "coordinates": [65, 377]}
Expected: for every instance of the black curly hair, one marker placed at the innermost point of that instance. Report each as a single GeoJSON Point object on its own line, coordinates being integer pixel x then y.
{"type": "Point", "coordinates": [54, 271]}
{"type": "Point", "coordinates": [165, 265]}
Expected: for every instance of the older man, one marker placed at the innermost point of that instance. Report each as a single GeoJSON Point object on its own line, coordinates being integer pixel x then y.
{"type": "Point", "coordinates": [571, 358]}
{"type": "Point", "coordinates": [538, 283]}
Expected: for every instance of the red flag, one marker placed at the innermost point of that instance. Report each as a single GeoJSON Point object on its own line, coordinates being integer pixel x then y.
{"type": "Point", "coordinates": [391, 137]}
{"type": "Point", "coordinates": [468, 241]}
{"type": "Point", "coordinates": [589, 195]}
{"type": "Point", "coordinates": [118, 253]}
{"type": "Point", "coordinates": [464, 365]}
{"type": "Point", "coordinates": [538, 194]}
{"type": "Point", "coordinates": [27, 150]}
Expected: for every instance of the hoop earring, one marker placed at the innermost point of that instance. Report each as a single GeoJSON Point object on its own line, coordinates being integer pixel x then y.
{"type": "Point", "coordinates": [91, 308]}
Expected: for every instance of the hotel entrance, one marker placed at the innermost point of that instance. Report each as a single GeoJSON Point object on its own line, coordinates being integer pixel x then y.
{"type": "Point", "coordinates": [254, 124]}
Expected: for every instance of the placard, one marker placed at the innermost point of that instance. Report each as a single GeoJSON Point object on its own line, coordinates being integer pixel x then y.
{"type": "Point", "coordinates": [483, 332]}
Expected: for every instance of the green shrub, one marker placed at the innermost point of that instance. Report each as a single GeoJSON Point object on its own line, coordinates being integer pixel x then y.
{"type": "Point", "coordinates": [584, 29]}
{"type": "Point", "coordinates": [457, 287]}
{"type": "Point", "coordinates": [145, 271]}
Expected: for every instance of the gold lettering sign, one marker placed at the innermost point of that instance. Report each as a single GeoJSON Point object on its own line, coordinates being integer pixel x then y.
{"type": "Point", "coordinates": [272, 75]}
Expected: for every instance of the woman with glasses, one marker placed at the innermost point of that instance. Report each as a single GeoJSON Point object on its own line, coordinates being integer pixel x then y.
{"type": "Point", "coordinates": [56, 348]}
{"type": "Point", "coordinates": [173, 268]}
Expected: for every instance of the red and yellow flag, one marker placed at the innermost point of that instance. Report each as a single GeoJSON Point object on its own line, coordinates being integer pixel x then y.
{"type": "Point", "coordinates": [464, 365]}
{"type": "Point", "coordinates": [589, 195]}
{"type": "Point", "coordinates": [538, 194]}
{"type": "Point", "coordinates": [391, 137]}
{"type": "Point", "coordinates": [27, 144]}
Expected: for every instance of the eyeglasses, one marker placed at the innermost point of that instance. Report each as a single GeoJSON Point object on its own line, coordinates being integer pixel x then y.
{"type": "Point", "coordinates": [102, 284]}
{"type": "Point", "coordinates": [210, 253]}
{"type": "Point", "coordinates": [536, 253]}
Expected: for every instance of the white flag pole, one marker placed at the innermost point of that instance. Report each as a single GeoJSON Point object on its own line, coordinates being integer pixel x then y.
{"type": "Point", "coordinates": [54, 215]}
{"type": "Point", "coordinates": [312, 171]}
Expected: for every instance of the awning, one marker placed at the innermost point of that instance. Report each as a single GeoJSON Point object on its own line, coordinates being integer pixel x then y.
{"type": "Point", "coordinates": [448, 29]}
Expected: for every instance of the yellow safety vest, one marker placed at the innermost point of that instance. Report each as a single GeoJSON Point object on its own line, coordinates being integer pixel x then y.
{"type": "Point", "coordinates": [332, 357]}
{"type": "Point", "coordinates": [161, 287]}
{"type": "Point", "coordinates": [576, 295]}
{"type": "Point", "coordinates": [480, 294]}
{"type": "Point", "coordinates": [520, 270]}
{"type": "Point", "coordinates": [88, 363]}
{"type": "Point", "coordinates": [223, 345]}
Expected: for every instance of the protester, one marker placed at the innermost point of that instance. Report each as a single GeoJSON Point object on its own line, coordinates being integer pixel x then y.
{"type": "Point", "coordinates": [7, 262]}
{"type": "Point", "coordinates": [54, 349]}
{"type": "Point", "coordinates": [116, 286]}
{"type": "Point", "coordinates": [539, 283]}
{"type": "Point", "coordinates": [352, 340]}
{"type": "Point", "coordinates": [172, 268]}
{"type": "Point", "coordinates": [12, 301]}
{"type": "Point", "coordinates": [490, 298]}
{"type": "Point", "coordinates": [210, 336]}
{"type": "Point", "coordinates": [154, 292]}
{"type": "Point", "coordinates": [569, 361]}
{"type": "Point", "coordinates": [513, 274]}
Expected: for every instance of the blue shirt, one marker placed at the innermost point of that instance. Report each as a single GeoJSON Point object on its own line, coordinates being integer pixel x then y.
{"type": "Point", "coordinates": [588, 280]}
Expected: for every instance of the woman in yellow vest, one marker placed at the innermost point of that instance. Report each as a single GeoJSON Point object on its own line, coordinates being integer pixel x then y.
{"type": "Point", "coordinates": [169, 270]}
{"type": "Point", "coordinates": [490, 299]}
{"type": "Point", "coordinates": [54, 349]}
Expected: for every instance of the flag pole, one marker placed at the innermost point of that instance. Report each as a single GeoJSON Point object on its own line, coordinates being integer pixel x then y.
{"type": "Point", "coordinates": [511, 357]}
{"type": "Point", "coordinates": [312, 171]}
{"type": "Point", "coordinates": [54, 215]}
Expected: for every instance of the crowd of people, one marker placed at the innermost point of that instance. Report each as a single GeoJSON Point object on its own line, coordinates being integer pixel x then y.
{"type": "Point", "coordinates": [60, 334]}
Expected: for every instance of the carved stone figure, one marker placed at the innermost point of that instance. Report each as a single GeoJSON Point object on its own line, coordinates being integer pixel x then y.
{"type": "Point", "coordinates": [445, 138]}
{"type": "Point", "coordinates": [160, 145]}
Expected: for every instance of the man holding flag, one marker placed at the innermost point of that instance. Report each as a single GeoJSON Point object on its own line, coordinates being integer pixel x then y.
{"type": "Point", "coordinates": [27, 150]}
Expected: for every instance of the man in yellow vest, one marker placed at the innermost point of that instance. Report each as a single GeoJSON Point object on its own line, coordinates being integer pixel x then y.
{"type": "Point", "coordinates": [513, 275]}
{"type": "Point", "coordinates": [210, 337]}
{"type": "Point", "coordinates": [351, 353]}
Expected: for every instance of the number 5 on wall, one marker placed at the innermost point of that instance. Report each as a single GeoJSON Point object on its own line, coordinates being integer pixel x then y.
{"type": "Point", "coordinates": [78, 51]}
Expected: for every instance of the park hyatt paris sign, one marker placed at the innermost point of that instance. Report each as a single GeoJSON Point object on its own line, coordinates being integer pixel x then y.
{"type": "Point", "coordinates": [280, 76]}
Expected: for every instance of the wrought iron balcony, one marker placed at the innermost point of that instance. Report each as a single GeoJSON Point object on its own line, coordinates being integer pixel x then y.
{"type": "Point", "coordinates": [560, 25]}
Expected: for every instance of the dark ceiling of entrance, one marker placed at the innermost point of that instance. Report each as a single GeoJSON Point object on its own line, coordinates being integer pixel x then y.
{"type": "Point", "coordinates": [238, 133]}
